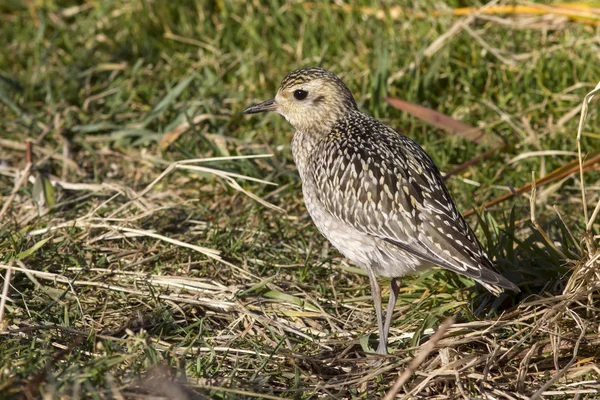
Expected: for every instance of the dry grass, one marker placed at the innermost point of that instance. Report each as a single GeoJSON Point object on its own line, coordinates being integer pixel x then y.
{"type": "Point", "coordinates": [134, 269]}
{"type": "Point", "coordinates": [550, 339]}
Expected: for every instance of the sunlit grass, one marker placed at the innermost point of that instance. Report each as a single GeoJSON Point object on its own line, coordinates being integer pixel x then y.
{"type": "Point", "coordinates": [185, 280]}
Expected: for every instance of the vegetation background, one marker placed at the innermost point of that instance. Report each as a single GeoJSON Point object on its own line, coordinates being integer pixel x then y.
{"type": "Point", "coordinates": [209, 280]}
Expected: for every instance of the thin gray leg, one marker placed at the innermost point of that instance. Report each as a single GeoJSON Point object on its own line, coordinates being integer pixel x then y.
{"type": "Point", "coordinates": [376, 293]}
{"type": "Point", "coordinates": [394, 290]}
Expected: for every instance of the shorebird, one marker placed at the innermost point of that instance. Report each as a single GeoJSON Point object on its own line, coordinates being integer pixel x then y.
{"type": "Point", "coordinates": [374, 193]}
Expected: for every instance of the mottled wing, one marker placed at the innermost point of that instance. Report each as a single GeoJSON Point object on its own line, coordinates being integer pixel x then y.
{"type": "Point", "coordinates": [384, 184]}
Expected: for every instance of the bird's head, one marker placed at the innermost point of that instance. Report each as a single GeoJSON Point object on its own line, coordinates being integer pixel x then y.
{"type": "Point", "coordinates": [310, 98]}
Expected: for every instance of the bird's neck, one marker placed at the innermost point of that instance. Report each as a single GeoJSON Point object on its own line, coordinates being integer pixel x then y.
{"type": "Point", "coordinates": [303, 146]}
{"type": "Point", "coordinates": [306, 140]}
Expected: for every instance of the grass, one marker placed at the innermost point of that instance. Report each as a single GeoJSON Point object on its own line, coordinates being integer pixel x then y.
{"type": "Point", "coordinates": [122, 283]}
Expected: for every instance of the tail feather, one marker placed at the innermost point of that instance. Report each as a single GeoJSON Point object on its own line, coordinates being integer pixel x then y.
{"type": "Point", "coordinates": [498, 288]}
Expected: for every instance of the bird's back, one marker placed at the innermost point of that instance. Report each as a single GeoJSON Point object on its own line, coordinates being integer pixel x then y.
{"type": "Point", "coordinates": [375, 182]}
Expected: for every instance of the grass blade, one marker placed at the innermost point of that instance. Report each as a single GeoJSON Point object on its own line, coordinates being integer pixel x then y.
{"type": "Point", "coordinates": [444, 122]}
{"type": "Point", "coordinates": [556, 175]}
{"type": "Point", "coordinates": [169, 99]}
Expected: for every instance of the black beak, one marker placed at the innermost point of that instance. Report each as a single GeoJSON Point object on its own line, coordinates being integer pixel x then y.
{"type": "Point", "coordinates": [268, 105]}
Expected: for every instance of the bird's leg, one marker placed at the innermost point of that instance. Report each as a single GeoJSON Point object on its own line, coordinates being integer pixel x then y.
{"type": "Point", "coordinates": [394, 289]}
{"type": "Point", "coordinates": [376, 292]}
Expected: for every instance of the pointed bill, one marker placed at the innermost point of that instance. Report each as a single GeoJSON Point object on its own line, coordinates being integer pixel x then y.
{"type": "Point", "coordinates": [269, 105]}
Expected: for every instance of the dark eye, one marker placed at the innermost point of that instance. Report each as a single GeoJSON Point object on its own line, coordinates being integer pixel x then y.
{"type": "Point", "coordinates": [300, 94]}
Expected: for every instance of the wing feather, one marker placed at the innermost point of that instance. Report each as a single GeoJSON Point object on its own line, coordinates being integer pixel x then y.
{"type": "Point", "coordinates": [385, 185]}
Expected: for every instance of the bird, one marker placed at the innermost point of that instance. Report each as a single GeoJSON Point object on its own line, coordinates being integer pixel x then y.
{"type": "Point", "coordinates": [373, 192]}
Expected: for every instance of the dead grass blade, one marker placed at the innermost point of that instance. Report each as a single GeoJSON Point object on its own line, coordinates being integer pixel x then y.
{"type": "Point", "coordinates": [584, 111]}
{"type": "Point", "coordinates": [39, 150]}
{"type": "Point", "coordinates": [227, 176]}
{"type": "Point", "coordinates": [445, 123]}
{"type": "Point", "coordinates": [538, 394]}
{"type": "Point", "coordinates": [212, 298]}
{"type": "Point", "coordinates": [579, 12]}
{"type": "Point", "coordinates": [473, 161]}
{"type": "Point", "coordinates": [87, 223]}
{"type": "Point", "coordinates": [23, 177]}
{"type": "Point", "coordinates": [5, 287]}
{"type": "Point", "coordinates": [538, 227]}
{"type": "Point", "coordinates": [419, 358]}
{"type": "Point", "coordinates": [171, 136]}
{"type": "Point", "coordinates": [239, 392]}
{"type": "Point", "coordinates": [556, 175]}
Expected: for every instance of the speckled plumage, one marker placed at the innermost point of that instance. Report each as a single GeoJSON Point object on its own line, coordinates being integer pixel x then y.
{"type": "Point", "coordinates": [373, 192]}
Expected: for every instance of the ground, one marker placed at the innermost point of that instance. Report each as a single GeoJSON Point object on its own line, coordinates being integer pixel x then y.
{"type": "Point", "coordinates": [128, 273]}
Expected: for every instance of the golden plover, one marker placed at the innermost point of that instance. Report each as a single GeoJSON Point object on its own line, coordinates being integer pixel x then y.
{"type": "Point", "coordinates": [373, 192]}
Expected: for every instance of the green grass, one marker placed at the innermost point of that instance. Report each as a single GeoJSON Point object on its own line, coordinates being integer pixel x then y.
{"type": "Point", "coordinates": [114, 304]}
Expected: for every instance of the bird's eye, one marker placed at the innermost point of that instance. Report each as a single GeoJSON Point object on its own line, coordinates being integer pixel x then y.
{"type": "Point", "coordinates": [300, 94]}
